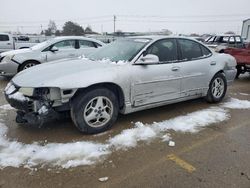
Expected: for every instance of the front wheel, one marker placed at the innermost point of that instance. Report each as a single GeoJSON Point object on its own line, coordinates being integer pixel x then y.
{"type": "Point", "coordinates": [94, 111]}
{"type": "Point", "coordinates": [217, 88]}
{"type": "Point", "coordinates": [27, 65]}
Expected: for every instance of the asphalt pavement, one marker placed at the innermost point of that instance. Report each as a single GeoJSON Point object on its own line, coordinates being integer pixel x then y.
{"type": "Point", "coordinates": [215, 157]}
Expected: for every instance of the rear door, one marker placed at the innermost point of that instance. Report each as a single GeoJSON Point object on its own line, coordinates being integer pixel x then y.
{"type": "Point", "coordinates": [195, 62]}
{"type": "Point", "coordinates": [86, 47]}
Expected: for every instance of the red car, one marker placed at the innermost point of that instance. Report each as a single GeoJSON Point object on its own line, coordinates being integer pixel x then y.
{"type": "Point", "coordinates": [242, 56]}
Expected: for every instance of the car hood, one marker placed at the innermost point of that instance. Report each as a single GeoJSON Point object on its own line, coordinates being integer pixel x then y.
{"type": "Point", "coordinates": [15, 52]}
{"type": "Point", "coordinates": [70, 73]}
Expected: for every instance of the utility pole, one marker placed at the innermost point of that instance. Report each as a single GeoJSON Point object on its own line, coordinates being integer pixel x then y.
{"type": "Point", "coordinates": [114, 22]}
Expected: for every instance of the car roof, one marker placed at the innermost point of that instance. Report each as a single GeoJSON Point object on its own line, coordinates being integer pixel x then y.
{"type": "Point", "coordinates": [158, 37]}
{"type": "Point", "coordinates": [75, 38]}
{"type": "Point", "coordinates": [226, 35]}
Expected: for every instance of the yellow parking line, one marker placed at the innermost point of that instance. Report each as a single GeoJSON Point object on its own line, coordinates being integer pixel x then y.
{"type": "Point", "coordinates": [183, 164]}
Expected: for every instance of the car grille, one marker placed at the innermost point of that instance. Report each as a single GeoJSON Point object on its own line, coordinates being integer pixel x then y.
{"type": "Point", "coordinates": [30, 106]}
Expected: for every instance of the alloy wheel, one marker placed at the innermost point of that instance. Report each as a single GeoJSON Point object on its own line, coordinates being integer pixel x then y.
{"type": "Point", "coordinates": [218, 87]}
{"type": "Point", "coordinates": [98, 111]}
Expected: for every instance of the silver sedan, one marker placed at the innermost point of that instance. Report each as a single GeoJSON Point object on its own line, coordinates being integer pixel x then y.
{"type": "Point", "coordinates": [125, 76]}
{"type": "Point", "coordinates": [14, 61]}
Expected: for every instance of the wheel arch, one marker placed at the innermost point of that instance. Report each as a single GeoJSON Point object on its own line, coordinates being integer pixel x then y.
{"type": "Point", "coordinates": [213, 74]}
{"type": "Point", "coordinates": [108, 85]}
{"type": "Point", "coordinates": [27, 61]}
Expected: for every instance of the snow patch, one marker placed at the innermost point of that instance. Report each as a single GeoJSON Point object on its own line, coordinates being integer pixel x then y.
{"type": "Point", "coordinates": [245, 94]}
{"type": "Point", "coordinates": [130, 137]}
{"type": "Point", "coordinates": [237, 104]}
{"type": "Point", "coordinates": [66, 155]}
{"type": "Point", "coordinates": [16, 154]}
{"type": "Point", "coordinates": [194, 121]}
{"type": "Point", "coordinates": [108, 61]}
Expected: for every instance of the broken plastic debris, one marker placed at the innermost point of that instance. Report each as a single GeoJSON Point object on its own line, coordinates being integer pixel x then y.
{"type": "Point", "coordinates": [171, 143]}
{"type": "Point", "coordinates": [103, 179]}
{"type": "Point", "coordinates": [43, 110]}
{"type": "Point", "coordinates": [166, 137]}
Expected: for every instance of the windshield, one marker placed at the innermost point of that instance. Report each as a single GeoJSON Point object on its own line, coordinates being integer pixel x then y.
{"type": "Point", "coordinates": [120, 50]}
{"type": "Point", "coordinates": [41, 45]}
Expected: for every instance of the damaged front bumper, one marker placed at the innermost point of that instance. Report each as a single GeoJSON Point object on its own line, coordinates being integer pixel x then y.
{"type": "Point", "coordinates": [34, 109]}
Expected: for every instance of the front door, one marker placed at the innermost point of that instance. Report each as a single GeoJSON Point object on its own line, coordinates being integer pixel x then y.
{"type": "Point", "coordinates": [66, 49]}
{"type": "Point", "coordinates": [155, 83]}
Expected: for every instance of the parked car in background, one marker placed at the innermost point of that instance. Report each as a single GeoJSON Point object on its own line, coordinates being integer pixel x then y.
{"type": "Point", "coordinates": [8, 42]}
{"type": "Point", "coordinates": [242, 56]}
{"type": "Point", "coordinates": [57, 48]}
{"type": "Point", "coordinates": [125, 76]}
{"type": "Point", "coordinates": [198, 39]}
{"type": "Point", "coordinates": [221, 42]}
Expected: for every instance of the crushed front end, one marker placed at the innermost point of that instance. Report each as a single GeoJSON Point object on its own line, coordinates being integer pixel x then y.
{"type": "Point", "coordinates": [37, 105]}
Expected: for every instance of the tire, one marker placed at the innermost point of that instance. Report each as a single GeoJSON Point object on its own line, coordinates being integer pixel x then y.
{"type": "Point", "coordinates": [27, 65]}
{"type": "Point", "coordinates": [94, 111]}
{"type": "Point", "coordinates": [217, 88]}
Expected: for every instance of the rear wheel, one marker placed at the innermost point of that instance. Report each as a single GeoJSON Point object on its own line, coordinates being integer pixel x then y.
{"type": "Point", "coordinates": [94, 111]}
{"type": "Point", "coordinates": [217, 88]}
{"type": "Point", "coordinates": [27, 65]}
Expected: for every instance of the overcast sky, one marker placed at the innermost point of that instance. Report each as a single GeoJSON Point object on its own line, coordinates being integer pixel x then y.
{"type": "Point", "coordinates": [179, 16]}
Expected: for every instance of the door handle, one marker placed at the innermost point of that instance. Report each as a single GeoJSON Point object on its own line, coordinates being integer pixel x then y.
{"type": "Point", "coordinates": [213, 63]}
{"type": "Point", "coordinates": [8, 43]}
{"type": "Point", "coordinates": [71, 55]}
{"type": "Point", "coordinates": [175, 68]}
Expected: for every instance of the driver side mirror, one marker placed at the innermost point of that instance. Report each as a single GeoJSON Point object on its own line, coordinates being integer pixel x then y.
{"type": "Point", "coordinates": [54, 49]}
{"type": "Point", "coordinates": [148, 59]}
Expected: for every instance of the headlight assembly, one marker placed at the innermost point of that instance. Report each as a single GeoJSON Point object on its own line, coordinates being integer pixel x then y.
{"type": "Point", "coordinates": [8, 58]}
{"type": "Point", "coordinates": [26, 91]}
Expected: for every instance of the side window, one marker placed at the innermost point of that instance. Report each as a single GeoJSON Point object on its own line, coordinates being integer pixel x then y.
{"type": "Point", "coordinates": [190, 50]}
{"type": "Point", "coordinates": [231, 40]}
{"type": "Point", "coordinates": [86, 44]}
{"type": "Point", "coordinates": [211, 39]}
{"type": "Point", "coordinates": [225, 39]}
{"type": "Point", "coordinates": [4, 38]}
{"type": "Point", "coordinates": [206, 52]}
{"type": "Point", "coordinates": [97, 45]}
{"type": "Point", "coordinates": [65, 45]}
{"type": "Point", "coordinates": [238, 39]}
{"type": "Point", "coordinates": [165, 49]}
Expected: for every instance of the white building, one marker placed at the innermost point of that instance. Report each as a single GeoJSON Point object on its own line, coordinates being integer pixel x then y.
{"type": "Point", "coordinates": [245, 32]}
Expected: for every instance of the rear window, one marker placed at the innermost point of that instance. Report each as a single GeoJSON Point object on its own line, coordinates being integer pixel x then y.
{"type": "Point", "coordinates": [190, 50]}
{"type": "Point", "coordinates": [86, 44]}
{"type": "Point", "coordinates": [4, 38]}
{"type": "Point", "coordinates": [205, 51]}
